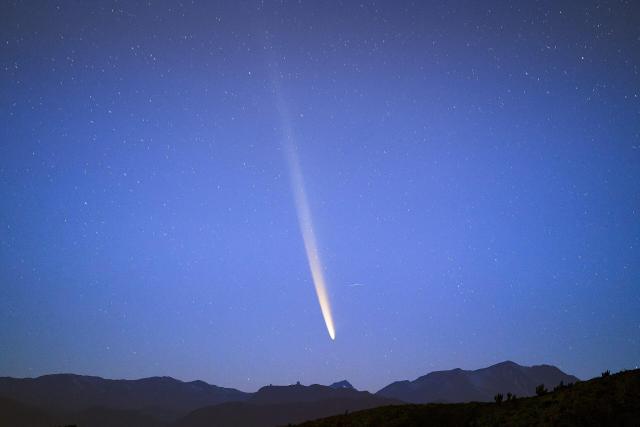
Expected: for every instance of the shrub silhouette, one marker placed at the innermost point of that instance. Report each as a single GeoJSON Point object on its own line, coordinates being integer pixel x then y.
{"type": "Point", "coordinates": [559, 386]}
{"type": "Point", "coordinates": [606, 373]}
{"type": "Point", "coordinates": [540, 390]}
{"type": "Point", "coordinates": [498, 398]}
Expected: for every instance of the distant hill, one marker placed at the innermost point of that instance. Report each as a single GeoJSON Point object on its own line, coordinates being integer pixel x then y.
{"type": "Point", "coordinates": [282, 405]}
{"type": "Point", "coordinates": [300, 393]}
{"type": "Point", "coordinates": [104, 407]}
{"type": "Point", "coordinates": [481, 385]}
{"type": "Point", "coordinates": [607, 401]}
{"type": "Point", "coordinates": [15, 414]}
{"type": "Point", "coordinates": [163, 397]}
{"type": "Point", "coordinates": [107, 417]}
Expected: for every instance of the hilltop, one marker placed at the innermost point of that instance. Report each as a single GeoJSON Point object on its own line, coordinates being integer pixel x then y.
{"type": "Point", "coordinates": [480, 385]}
{"type": "Point", "coordinates": [609, 400]}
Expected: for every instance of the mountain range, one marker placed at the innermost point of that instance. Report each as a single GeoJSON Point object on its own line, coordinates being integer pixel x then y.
{"type": "Point", "coordinates": [164, 398]}
{"type": "Point", "coordinates": [481, 385]}
{"type": "Point", "coordinates": [65, 399]}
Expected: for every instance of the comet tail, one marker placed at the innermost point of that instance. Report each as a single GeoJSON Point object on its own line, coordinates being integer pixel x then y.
{"type": "Point", "coordinates": [303, 211]}
{"type": "Point", "coordinates": [310, 245]}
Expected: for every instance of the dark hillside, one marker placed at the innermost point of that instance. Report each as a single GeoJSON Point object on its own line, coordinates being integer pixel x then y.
{"type": "Point", "coordinates": [610, 400]}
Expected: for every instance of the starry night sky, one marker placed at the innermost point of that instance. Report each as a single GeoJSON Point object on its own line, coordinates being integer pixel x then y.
{"type": "Point", "coordinates": [473, 171]}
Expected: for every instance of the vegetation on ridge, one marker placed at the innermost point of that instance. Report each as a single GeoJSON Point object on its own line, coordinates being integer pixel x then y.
{"type": "Point", "coordinates": [613, 399]}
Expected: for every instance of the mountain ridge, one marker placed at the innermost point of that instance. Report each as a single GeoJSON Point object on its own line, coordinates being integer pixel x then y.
{"type": "Point", "coordinates": [163, 401]}
{"type": "Point", "coordinates": [459, 385]}
{"type": "Point", "coordinates": [165, 397]}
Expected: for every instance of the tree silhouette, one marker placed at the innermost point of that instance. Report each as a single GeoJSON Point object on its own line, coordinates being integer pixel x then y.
{"type": "Point", "coordinates": [540, 390]}
{"type": "Point", "coordinates": [498, 398]}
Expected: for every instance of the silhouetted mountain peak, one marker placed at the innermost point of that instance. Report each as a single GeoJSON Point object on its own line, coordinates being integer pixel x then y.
{"type": "Point", "coordinates": [458, 385]}
{"type": "Point", "coordinates": [506, 363]}
{"type": "Point", "coordinates": [273, 394]}
{"type": "Point", "coordinates": [158, 380]}
{"type": "Point", "coordinates": [65, 377]}
{"type": "Point", "coordinates": [70, 392]}
{"type": "Point", "coordinates": [342, 384]}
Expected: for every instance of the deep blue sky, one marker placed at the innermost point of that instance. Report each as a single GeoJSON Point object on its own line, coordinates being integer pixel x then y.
{"type": "Point", "coordinates": [474, 167]}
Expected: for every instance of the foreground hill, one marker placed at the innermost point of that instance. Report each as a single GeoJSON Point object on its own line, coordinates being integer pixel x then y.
{"type": "Point", "coordinates": [481, 385]}
{"type": "Point", "coordinates": [611, 400]}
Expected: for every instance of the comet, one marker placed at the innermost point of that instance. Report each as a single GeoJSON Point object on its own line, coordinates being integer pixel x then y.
{"type": "Point", "coordinates": [309, 238]}
{"type": "Point", "coordinates": [304, 212]}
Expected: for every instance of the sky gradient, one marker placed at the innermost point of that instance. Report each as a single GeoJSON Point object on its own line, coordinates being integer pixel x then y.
{"type": "Point", "coordinates": [472, 169]}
